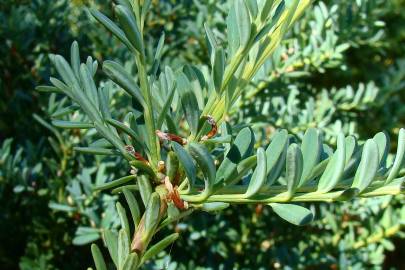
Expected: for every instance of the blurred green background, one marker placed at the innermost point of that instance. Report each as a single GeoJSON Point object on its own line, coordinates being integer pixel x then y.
{"type": "Point", "coordinates": [341, 68]}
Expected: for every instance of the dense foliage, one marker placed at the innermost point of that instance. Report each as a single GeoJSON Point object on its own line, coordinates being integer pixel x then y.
{"type": "Point", "coordinates": [338, 69]}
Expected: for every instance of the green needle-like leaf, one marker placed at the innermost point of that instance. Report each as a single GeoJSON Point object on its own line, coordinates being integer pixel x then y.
{"type": "Point", "coordinates": [399, 157]}
{"type": "Point", "coordinates": [368, 166]}
{"type": "Point", "coordinates": [71, 125]}
{"type": "Point", "coordinates": [186, 162]}
{"type": "Point", "coordinates": [145, 189]}
{"type": "Point", "coordinates": [123, 219]}
{"type": "Point", "coordinates": [294, 166]}
{"type": "Point", "coordinates": [98, 258]}
{"type": "Point", "coordinates": [259, 175]}
{"type": "Point", "coordinates": [276, 153]}
{"type": "Point", "coordinates": [334, 169]}
{"type": "Point", "coordinates": [218, 68]}
{"type": "Point", "coordinates": [152, 213]}
{"type": "Point", "coordinates": [115, 183]}
{"type": "Point", "coordinates": [158, 247]}
{"type": "Point", "coordinates": [241, 149]}
{"type": "Point", "coordinates": [292, 213]}
{"type": "Point", "coordinates": [131, 262]}
{"type": "Point", "coordinates": [383, 143]}
{"type": "Point", "coordinates": [123, 248]}
{"type": "Point", "coordinates": [204, 159]}
{"type": "Point", "coordinates": [111, 242]}
{"type": "Point", "coordinates": [214, 206]}
{"type": "Point", "coordinates": [130, 27]}
{"type": "Point", "coordinates": [244, 23]}
{"type": "Point", "coordinates": [96, 151]}
{"type": "Point", "coordinates": [133, 206]}
{"type": "Point", "coordinates": [120, 76]}
{"type": "Point", "coordinates": [311, 150]}
{"type": "Point", "coordinates": [75, 58]}
{"type": "Point", "coordinates": [111, 26]}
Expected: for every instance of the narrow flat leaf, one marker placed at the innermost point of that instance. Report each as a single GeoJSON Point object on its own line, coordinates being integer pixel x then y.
{"type": "Point", "coordinates": [233, 32]}
{"type": "Point", "coordinates": [240, 171]}
{"type": "Point", "coordinates": [240, 149]}
{"type": "Point", "coordinates": [189, 102]}
{"type": "Point", "coordinates": [259, 175]}
{"type": "Point", "coordinates": [292, 213]}
{"type": "Point", "coordinates": [253, 7]}
{"type": "Point", "coordinates": [218, 68]}
{"type": "Point", "coordinates": [311, 151]}
{"type": "Point", "coordinates": [85, 239]}
{"type": "Point", "coordinates": [145, 189]}
{"type": "Point", "coordinates": [186, 162]}
{"type": "Point", "coordinates": [130, 27]}
{"type": "Point", "coordinates": [123, 218]}
{"type": "Point", "coordinates": [111, 26]}
{"type": "Point", "coordinates": [111, 241]}
{"type": "Point", "coordinates": [158, 247]}
{"type": "Point", "coordinates": [368, 166]}
{"type": "Point", "coordinates": [131, 262]}
{"type": "Point", "coordinates": [275, 155]}
{"type": "Point", "coordinates": [265, 11]}
{"type": "Point", "coordinates": [65, 71]}
{"type": "Point", "coordinates": [172, 165]}
{"type": "Point", "coordinates": [294, 166]}
{"type": "Point", "coordinates": [244, 22]}
{"type": "Point", "coordinates": [143, 168]}
{"type": "Point", "coordinates": [133, 206]}
{"type": "Point", "coordinates": [120, 76]}
{"type": "Point", "coordinates": [383, 142]}
{"type": "Point", "coordinates": [152, 213]}
{"type": "Point", "coordinates": [121, 126]}
{"type": "Point", "coordinates": [116, 183]}
{"type": "Point", "coordinates": [351, 146]}
{"type": "Point", "coordinates": [65, 111]}
{"type": "Point", "coordinates": [96, 151]}
{"type": "Point", "coordinates": [61, 207]}
{"type": "Point", "coordinates": [75, 58]}
{"type": "Point", "coordinates": [212, 42]}
{"type": "Point", "coordinates": [204, 159]}
{"type": "Point", "coordinates": [334, 169]}
{"type": "Point", "coordinates": [214, 206]}
{"type": "Point", "coordinates": [89, 84]}
{"type": "Point", "coordinates": [71, 125]}
{"type": "Point", "coordinates": [48, 89]}
{"type": "Point", "coordinates": [166, 107]}
{"type": "Point", "coordinates": [123, 248]}
{"type": "Point", "coordinates": [158, 54]}
{"type": "Point", "coordinates": [98, 258]}
{"type": "Point", "coordinates": [399, 157]}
